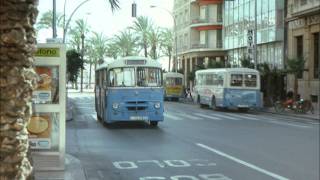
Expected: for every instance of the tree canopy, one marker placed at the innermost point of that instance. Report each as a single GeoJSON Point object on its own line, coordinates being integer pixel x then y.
{"type": "Point", "coordinates": [74, 64]}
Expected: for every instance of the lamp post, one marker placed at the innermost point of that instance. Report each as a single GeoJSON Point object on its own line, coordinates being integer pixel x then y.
{"type": "Point", "coordinates": [66, 25]}
{"type": "Point", "coordinates": [255, 35]}
{"type": "Point", "coordinates": [175, 36]}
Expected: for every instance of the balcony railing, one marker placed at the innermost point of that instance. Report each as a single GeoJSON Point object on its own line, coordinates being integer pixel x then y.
{"type": "Point", "coordinates": [298, 8]}
{"type": "Point", "coordinates": [200, 21]}
{"type": "Point", "coordinates": [199, 46]}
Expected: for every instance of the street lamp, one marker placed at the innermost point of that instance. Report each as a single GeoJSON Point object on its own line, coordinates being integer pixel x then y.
{"type": "Point", "coordinates": [66, 25]}
{"type": "Point", "coordinates": [175, 36]}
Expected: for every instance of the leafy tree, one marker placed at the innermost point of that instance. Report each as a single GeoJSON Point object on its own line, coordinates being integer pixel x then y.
{"type": "Point", "coordinates": [74, 64]}
{"type": "Point", "coordinates": [166, 43]}
{"type": "Point", "coordinates": [126, 43]}
{"type": "Point", "coordinates": [296, 68]}
{"type": "Point", "coordinates": [46, 18]}
{"type": "Point", "coordinates": [154, 38]}
{"type": "Point", "coordinates": [216, 64]}
{"type": "Point", "coordinates": [96, 50]}
{"type": "Point", "coordinates": [80, 27]}
{"type": "Point", "coordinates": [142, 27]}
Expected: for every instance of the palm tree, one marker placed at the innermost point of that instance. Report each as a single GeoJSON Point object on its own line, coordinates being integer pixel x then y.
{"type": "Point", "coordinates": [45, 21]}
{"type": "Point", "coordinates": [112, 50]}
{"type": "Point", "coordinates": [142, 26]}
{"type": "Point", "coordinates": [81, 28]}
{"type": "Point", "coordinates": [96, 50]}
{"type": "Point", "coordinates": [296, 68]}
{"type": "Point", "coordinates": [154, 38]}
{"type": "Point", "coordinates": [126, 42]}
{"type": "Point", "coordinates": [18, 80]}
{"type": "Point", "coordinates": [166, 43]}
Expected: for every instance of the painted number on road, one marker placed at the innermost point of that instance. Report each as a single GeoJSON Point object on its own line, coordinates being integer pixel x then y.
{"type": "Point", "coordinates": [215, 176]}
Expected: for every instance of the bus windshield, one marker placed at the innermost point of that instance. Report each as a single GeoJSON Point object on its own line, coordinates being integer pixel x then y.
{"type": "Point", "coordinates": [173, 81]}
{"type": "Point", "coordinates": [148, 77]}
{"type": "Point", "coordinates": [121, 77]}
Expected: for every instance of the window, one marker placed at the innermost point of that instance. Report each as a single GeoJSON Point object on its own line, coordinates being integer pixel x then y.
{"type": "Point", "coordinates": [250, 80]}
{"type": "Point", "coordinates": [303, 2]}
{"type": "Point", "coordinates": [236, 80]}
{"type": "Point", "coordinates": [171, 81]}
{"type": "Point", "coordinates": [316, 56]}
{"type": "Point", "coordinates": [121, 77]}
{"type": "Point", "coordinates": [149, 77]}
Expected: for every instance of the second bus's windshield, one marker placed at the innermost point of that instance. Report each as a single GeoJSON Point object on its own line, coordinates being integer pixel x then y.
{"type": "Point", "coordinates": [173, 81]}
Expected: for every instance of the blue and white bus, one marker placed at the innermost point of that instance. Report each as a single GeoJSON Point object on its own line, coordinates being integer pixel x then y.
{"type": "Point", "coordinates": [129, 89]}
{"type": "Point", "coordinates": [232, 88]}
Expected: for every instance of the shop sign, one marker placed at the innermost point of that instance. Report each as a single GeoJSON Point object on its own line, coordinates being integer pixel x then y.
{"type": "Point", "coordinates": [48, 52]}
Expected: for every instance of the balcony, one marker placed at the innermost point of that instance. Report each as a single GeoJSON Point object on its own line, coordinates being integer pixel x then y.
{"type": "Point", "coordinates": [303, 8]}
{"type": "Point", "coordinates": [204, 22]}
{"type": "Point", "coordinates": [199, 46]}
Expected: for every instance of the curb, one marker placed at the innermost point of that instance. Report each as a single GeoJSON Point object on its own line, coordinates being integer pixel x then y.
{"type": "Point", "coordinates": [308, 116]}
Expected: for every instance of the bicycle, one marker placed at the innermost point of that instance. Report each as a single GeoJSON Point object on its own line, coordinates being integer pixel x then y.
{"type": "Point", "coordinates": [301, 106]}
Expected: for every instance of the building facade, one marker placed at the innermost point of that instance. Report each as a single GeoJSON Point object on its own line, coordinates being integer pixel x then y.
{"type": "Point", "coordinates": [239, 20]}
{"type": "Point", "coordinates": [303, 18]}
{"type": "Point", "coordinates": [199, 29]}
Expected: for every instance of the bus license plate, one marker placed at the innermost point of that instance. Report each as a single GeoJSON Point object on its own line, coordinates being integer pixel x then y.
{"type": "Point", "coordinates": [139, 118]}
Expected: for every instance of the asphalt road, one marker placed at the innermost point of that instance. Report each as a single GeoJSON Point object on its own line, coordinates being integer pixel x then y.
{"type": "Point", "coordinates": [194, 144]}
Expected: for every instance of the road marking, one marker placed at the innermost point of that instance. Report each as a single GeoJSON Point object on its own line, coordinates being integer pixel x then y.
{"type": "Point", "coordinates": [206, 116]}
{"type": "Point", "coordinates": [276, 121]}
{"type": "Point", "coordinates": [172, 117]}
{"type": "Point", "coordinates": [227, 117]}
{"type": "Point", "coordinates": [189, 116]}
{"type": "Point", "coordinates": [276, 176]}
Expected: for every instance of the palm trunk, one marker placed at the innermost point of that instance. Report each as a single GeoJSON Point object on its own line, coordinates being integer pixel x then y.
{"type": "Point", "coordinates": [169, 63]}
{"type": "Point", "coordinates": [17, 81]}
{"type": "Point", "coordinates": [145, 50]}
{"type": "Point", "coordinates": [90, 74]}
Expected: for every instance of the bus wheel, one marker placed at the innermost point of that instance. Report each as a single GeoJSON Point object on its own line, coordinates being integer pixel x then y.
{"type": "Point", "coordinates": [199, 102]}
{"type": "Point", "coordinates": [214, 104]}
{"type": "Point", "coordinates": [154, 123]}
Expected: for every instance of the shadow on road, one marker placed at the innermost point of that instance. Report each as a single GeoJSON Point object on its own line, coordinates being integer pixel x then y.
{"type": "Point", "coordinates": [129, 125]}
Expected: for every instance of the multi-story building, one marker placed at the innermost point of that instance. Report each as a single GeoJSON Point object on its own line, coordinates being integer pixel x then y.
{"type": "Point", "coordinates": [303, 17]}
{"type": "Point", "coordinates": [199, 33]}
{"type": "Point", "coordinates": [240, 18]}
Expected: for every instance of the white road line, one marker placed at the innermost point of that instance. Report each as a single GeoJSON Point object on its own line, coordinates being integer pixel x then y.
{"type": "Point", "coordinates": [172, 117]}
{"type": "Point", "coordinates": [277, 121]}
{"type": "Point", "coordinates": [227, 117]}
{"type": "Point", "coordinates": [186, 116]}
{"type": "Point", "coordinates": [242, 116]}
{"type": "Point", "coordinates": [276, 176]}
{"type": "Point", "coordinates": [206, 116]}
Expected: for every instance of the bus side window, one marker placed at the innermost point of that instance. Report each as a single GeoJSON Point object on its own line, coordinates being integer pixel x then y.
{"type": "Point", "coordinates": [236, 80]}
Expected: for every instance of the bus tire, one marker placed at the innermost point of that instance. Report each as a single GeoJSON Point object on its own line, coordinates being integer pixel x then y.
{"type": "Point", "coordinates": [199, 102]}
{"type": "Point", "coordinates": [154, 123]}
{"type": "Point", "coordinates": [214, 103]}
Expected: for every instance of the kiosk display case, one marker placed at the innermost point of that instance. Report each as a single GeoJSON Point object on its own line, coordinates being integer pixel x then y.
{"type": "Point", "coordinates": [47, 125]}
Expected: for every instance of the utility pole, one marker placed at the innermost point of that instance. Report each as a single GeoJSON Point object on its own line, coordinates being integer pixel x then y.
{"type": "Point", "coordinates": [54, 19]}
{"type": "Point", "coordinates": [82, 54]}
{"type": "Point", "coordinates": [255, 35]}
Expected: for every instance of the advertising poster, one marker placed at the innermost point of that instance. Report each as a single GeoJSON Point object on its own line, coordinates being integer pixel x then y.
{"type": "Point", "coordinates": [43, 131]}
{"type": "Point", "coordinates": [46, 91]}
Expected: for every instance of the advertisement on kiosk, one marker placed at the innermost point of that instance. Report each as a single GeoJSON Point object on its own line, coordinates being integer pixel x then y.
{"type": "Point", "coordinates": [46, 127]}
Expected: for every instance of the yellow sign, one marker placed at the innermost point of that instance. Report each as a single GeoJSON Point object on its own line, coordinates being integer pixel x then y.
{"type": "Point", "coordinates": [48, 52]}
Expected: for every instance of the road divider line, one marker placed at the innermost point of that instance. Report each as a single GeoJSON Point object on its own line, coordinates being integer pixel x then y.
{"type": "Point", "coordinates": [207, 116]}
{"type": "Point", "coordinates": [276, 176]}
{"type": "Point", "coordinates": [172, 117]}
{"type": "Point", "coordinates": [227, 117]}
{"type": "Point", "coordinates": [189, 116]}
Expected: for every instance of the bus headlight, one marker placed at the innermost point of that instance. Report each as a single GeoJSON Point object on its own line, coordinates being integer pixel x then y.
{"type": "Point", "coordinates": [157, 105]}
{"type": "Point", "coordinates": [115, 105]}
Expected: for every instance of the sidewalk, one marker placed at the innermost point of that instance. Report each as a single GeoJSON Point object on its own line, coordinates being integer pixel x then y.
{"type": "Point", "coordinates": [73, 171]}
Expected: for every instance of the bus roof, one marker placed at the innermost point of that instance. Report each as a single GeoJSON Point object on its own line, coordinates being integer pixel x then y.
{"type": "Point", "coordinates": [134, 61]}
{"type": "Point", "coordinates": [172, 74]}
{"type": "Point", "coordinates": [238, 70]}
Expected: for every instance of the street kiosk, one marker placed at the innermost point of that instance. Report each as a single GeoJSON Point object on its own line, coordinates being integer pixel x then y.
{"type": "Point", "coordinates": [47, 125]}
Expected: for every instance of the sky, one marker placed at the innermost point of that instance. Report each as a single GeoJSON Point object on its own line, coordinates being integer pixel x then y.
{"type": "Point", "coordinates": [100, 18]}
